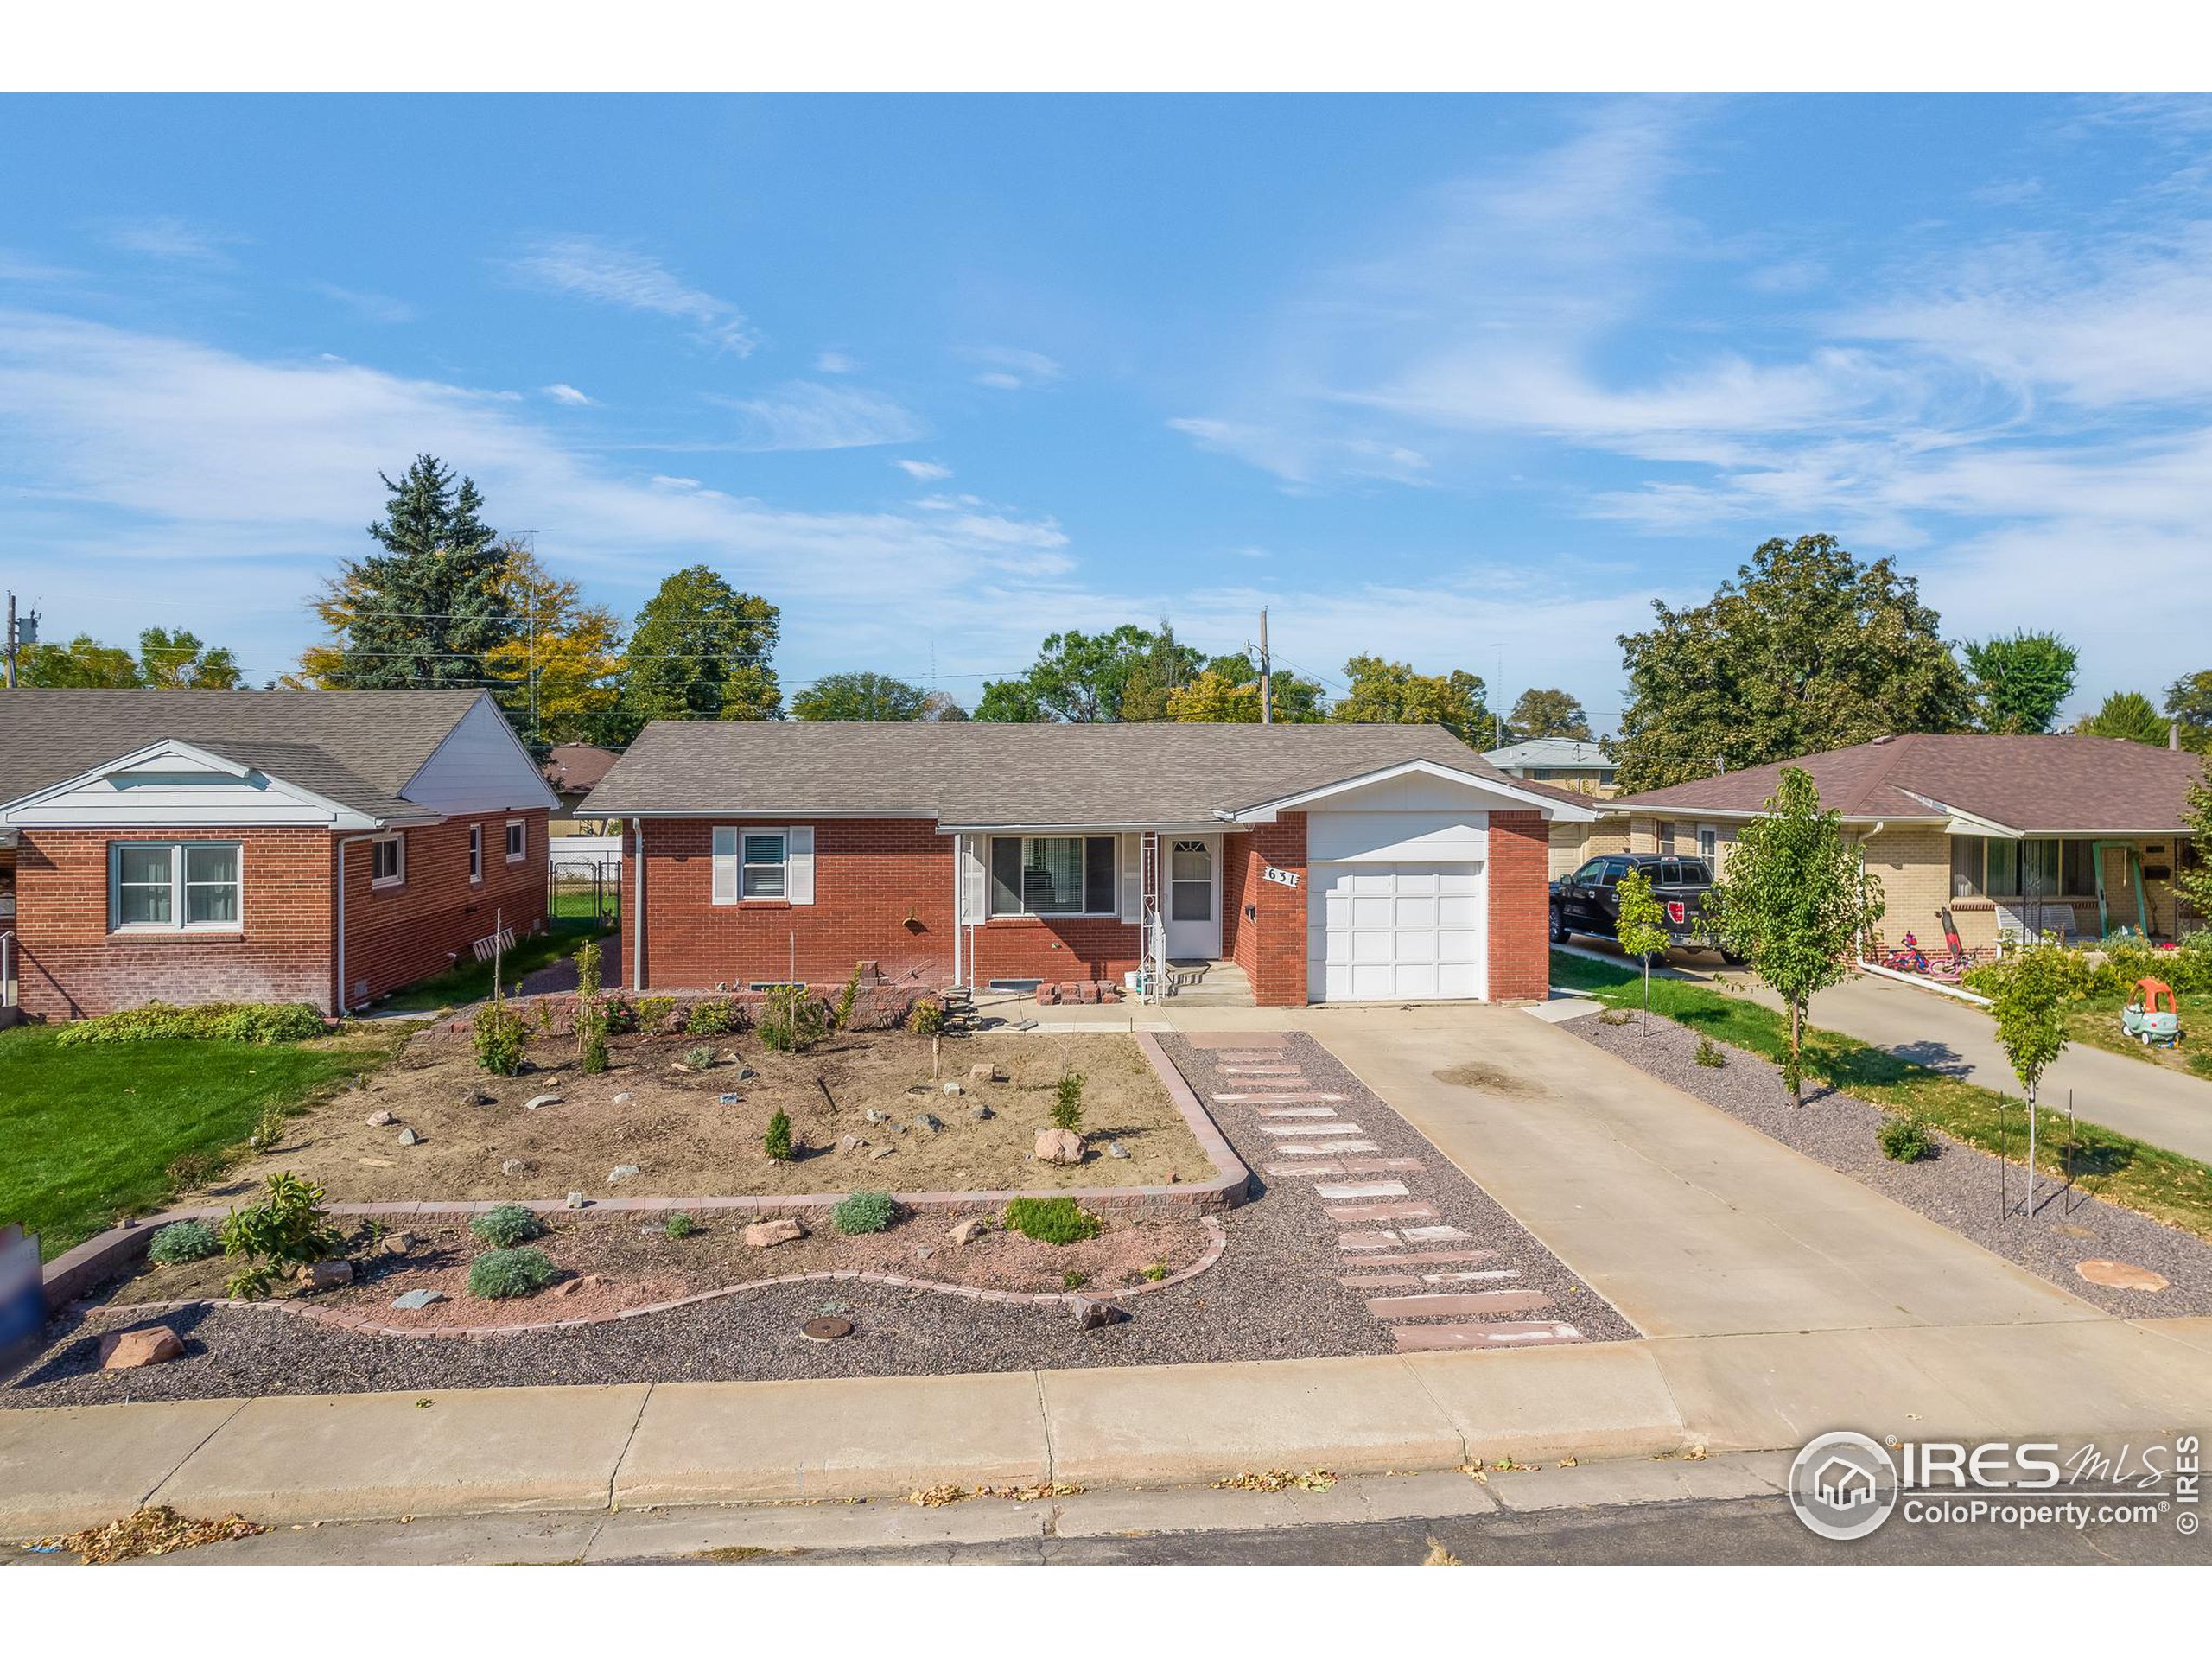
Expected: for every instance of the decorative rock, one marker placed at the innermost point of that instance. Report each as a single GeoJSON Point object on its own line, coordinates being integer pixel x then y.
{"type": "Point", "coordinates": [985, 1073]}
{"type": "Point", "coordinates": [381, 1119]}
{"type": "Point", "coordinates": [129, 1351]}
{"type": "Point", "coordinates": [536, 1101]}
{"type": "Point", "coordinates": [2120, 1275]}
{"type": "Point", "coordinates": [850, 1143]}
{"type": "Point", "coordinates": [476, 1098]}
{"type": "Point", "coordinates": [517, 1167]}
{"type": "Point", "coordinates": [883, 1152]}
{"type": "Point", "coordinates": [922, 1252]}
{"type": "Point", "coordinates": [1115, 1149]}
{"type": "Point", "coordinates": [930, 1122]}
{"type": "Point", "coordinates": [572, 1286]}
{"type": "Point", "coordinates": [1174, 1179]}
{"type": "Point", "coordinates": [622, 1099]}
{"type": "Point", "coordinates": [327, 1275]}
{"type": "Point", "coordinates": [874, 1116]}
{"type": "Point", "coordinates": [744, 1073]}
{"type": "Point", "coordinates": [969, 1231]}
{"type": "Point", "coordinates": [953, 1088]}
{"type": "Point", "coordinates": [1094, 1315]}
{"type": "Point", "coordinates": [766, 1235]}
{"type": "Point", "coordinates": [395, 1243]}
{"type": "Point", "coordinates": [575, 1200]}
{"type": "Point", "coordinates": [621, 1173]}
{"type": "Point", "coordinates": [980, 1112]}
{"type": "Point", "coordinates": [408, 1138]}
{"type": "Point", "coordinates": [418, 1299]}
{"type": "Point", "coordinates": [1060, 1146]}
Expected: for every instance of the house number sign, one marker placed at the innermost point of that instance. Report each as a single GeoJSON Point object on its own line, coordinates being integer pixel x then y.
{"type": "Point", "coordinates": [1281, 878]}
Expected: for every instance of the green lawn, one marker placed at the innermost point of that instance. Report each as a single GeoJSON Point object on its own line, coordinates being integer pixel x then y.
{"type": "Point", "coordinates": [2163, 1185]}
{"type": "Point", "coordinates": [2095, 1021]}
{"type": "Point", "coordinates": [471, 981]}
{"type": "Point", "coordinates": [90, 1131]}
{"type": "Point", "coordinates": [580, 903]}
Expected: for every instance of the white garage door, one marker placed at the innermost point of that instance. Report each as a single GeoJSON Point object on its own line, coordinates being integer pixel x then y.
{"type": "Point", "coordinates": [1395, 933]}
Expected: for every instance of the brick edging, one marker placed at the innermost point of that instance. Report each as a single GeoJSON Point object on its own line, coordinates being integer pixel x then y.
{"type": "Point", "coordinates": [365, 1324]}
{"type": "Point", "coordinates": [105, 1256]}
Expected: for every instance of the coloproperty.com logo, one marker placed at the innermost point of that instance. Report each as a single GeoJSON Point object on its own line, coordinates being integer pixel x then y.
{"type": "Point", "coordinates": [1845, 1485]}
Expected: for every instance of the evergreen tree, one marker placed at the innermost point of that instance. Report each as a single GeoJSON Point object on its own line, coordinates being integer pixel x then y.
{"type": "Point", "coordinates": [426, 610]}
{"type": "Point", "coordinates": [2020, 683]}
{"type": "Point", "coordinates": [2128, 715]}
{"type": "Point", "coordinates": [700, 652]}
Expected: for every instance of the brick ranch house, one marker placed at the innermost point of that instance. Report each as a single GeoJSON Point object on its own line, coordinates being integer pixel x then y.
{"type": "Point", "coordinates": [322, 847]}
{"type": "Point", "coordinates": [2010, 835]}
{"type": "Point", "coordinates": [1328, 862]}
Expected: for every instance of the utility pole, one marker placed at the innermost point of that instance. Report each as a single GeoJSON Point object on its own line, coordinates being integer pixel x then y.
{"type": "Point", "coordinates": [20, 634]}
{"type": "Point", "coordinates": [1266, 677]}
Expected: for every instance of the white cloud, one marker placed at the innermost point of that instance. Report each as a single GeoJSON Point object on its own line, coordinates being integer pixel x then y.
{"type": "Point", "coordinates": [833, 362]}
{"type": "Point", "coordinates": [166, 237]}
{"type": "Point", "coordinates": [805, 415]}
{"type": "Point", "coordinates": [561, 392]}
{"type": "Point", "coordinates": [1010, 369]}
{"type": "Point", "coordinates": [377, 307]}
{"type": "Point", "coordinates": [592, 269]}
{"type": "Point", "coordinates": [928, 472]}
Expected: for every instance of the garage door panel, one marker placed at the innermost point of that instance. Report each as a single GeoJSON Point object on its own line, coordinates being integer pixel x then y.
{"type": "Point", "coordinates": [1403, 932]}
{"type": "Point", "coordinates": [1413, 913]}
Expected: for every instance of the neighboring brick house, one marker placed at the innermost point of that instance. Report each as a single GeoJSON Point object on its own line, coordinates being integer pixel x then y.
{"type": "Point", "coordinates": [1329, 863]}
{"type": "Point", "coordinates": [2007, 836]}
{"type": "Point", "coordinates": [188, 846]}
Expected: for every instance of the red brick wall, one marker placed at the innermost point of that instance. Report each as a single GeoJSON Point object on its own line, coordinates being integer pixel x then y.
{"type": "Point", "coordinates": [396, 935]}
{"type": "Point", "coordinates": [1057, 947]}
{"type": "Point", "coordinates": [1520, 946]}
{"type": "Point", "coordinates": [69, 966]}
{"type": "Point", "coordinates": [869, 874]}
{"type": "Point", "coordinates": [1272, 949]}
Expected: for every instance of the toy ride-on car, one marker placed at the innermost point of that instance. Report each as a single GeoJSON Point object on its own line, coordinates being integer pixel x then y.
{"type": "Point", "coordinates": [2151, 1016]}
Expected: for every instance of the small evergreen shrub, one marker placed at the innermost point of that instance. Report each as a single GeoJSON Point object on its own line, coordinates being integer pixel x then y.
{"type": "Point", "coordinates": [846, 998]}
{"type": "Point", "coordinates": [681, 1224]}
{"type": "Point", "coordinates": [1710, 1052]}
{"type": "Point", "coordinates": [709, 1020]}
{"type": "Point", "coordinates": [507, 1226]}
{"type": "Point", "coordinates": [235, 1022]}
{"type": "Point", "coordinates": [1904, 1140]}
{"type": "Point", "coordinates": [285, 1230]}
{"type": "Point", "coordinates": [864, 1212]}
{"type": "Point", "coordinates": [791, 1022]}
{"type": "Point", "coordinates": [777, 1143]}
{"type": "Point", "coordinates": [1051, 1220]}
{"type": "Point", "coordinates": [700, 1059]}
{"type": "Point", "coordinates": [926, 1018]}
{"type": "Point", "coordinates": [499, 1037]}
{"type": "Point", "coordinates": [1067, 1102]}
{"type": "Point", "coordinates": [184, 1241]}
{"type": "Point", "coordinates": [497, 1276]}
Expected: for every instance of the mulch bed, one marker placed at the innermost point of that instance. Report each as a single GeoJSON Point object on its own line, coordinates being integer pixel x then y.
{"type": "Point", "coordinates": [1957, 1189]}
{"type": "Point", "coordinates": [1273, 1295]}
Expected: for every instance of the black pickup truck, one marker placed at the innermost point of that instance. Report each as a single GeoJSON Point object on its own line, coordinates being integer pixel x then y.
{"type": "Point", "coordinates": [1587, 901]}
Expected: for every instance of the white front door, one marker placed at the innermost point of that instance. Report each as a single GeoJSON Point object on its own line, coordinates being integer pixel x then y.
{"type": "Point", "coordinates": [1193, 898]}
{"type": "Point", "coordinates": [1396, 932]}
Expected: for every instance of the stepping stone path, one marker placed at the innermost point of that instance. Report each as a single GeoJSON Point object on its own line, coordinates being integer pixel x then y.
{"type": "Point", "coordinates": [1432, 1300]}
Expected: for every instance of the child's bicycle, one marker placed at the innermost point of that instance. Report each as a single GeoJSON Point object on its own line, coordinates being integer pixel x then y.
{"type": "Point", "coordinates": [1907, 959]}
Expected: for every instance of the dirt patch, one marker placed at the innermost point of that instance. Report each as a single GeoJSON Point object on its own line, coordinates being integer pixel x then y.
{"type": "Point", "coordinates": [607, 1266]}
{"type": "Point", "coordinates": [1475, 1074]}
{"type": "Point", "coordinates": [699, 1133]}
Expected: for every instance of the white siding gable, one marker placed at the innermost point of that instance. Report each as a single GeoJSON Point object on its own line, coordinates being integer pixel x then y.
{"type": "Point", "coordinates": [176, 786]}
{"type": "Point", "coordinates": [480, 767]}
{"type": "Point", "coordinates": [1413, 817]}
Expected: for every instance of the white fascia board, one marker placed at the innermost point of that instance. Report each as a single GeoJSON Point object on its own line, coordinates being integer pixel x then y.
{"type": "Point", "coordinates": [1213, 828]}
{"type": "Point", "coordinates": [32, 811]}
{"type": "Point", "coordinates": [745, 814]}
{"type": "Point", "coordinates": [1551, 807]}
{"type": "Point", "coordinates": [1959, 822]}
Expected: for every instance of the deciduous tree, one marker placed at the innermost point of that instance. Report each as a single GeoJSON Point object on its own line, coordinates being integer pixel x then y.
{"type": "Point", "coordinates": [1546, 711]}
{"type": "Point", "coordinates": [168, 660]}
{"type": "Point", "coordinates": [2189, 700]}
{"type": "Point", "coordinates": [1806, 649]}
{"type": "Point", "coordinates": [700, 651]}
{"type": "Point", "coordinates": [1392, 694]}
{"type": "Point", "coordinates": [2020, 681]}
{"type": "Point", "coordinates": [861, 695]}
{"type": "Point", "coordinates": [1076, 677]}
{"type": "Point", "coordinates": [2029, 1005]}
{"type": "Point", "coordinates": [570, 652]}
{"type": "Point", "coordinates": [1640, 926]}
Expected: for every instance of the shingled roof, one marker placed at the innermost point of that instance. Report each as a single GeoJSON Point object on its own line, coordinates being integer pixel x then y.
{"type": "Point", "coordinates": [2063, 785]}
{"type": "Point", "coordinates": [359, 748]}
{"type": "Point", "coordinates": [983, 774]}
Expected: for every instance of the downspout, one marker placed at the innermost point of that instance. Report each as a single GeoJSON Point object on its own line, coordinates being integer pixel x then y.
{"type": "Point", "coordinates": [638, 904]}
{"type": "Point", "coordinates": [959, 877]}
{"type": "Point", "coordinates": [339, 1005]}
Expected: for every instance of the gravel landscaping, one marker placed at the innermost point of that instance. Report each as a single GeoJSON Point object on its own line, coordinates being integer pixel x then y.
{"type": "Point", "coordinates": [1273, 1294]}
{"type": "Point", "coordinates": [1957, 1189]}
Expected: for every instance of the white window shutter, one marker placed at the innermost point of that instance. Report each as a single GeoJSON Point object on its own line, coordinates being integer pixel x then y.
{"type": "Point", "coordinates": [798, 866]}
{"type": "Point", "coordinates": [1132, 878]}
{"type": "Point", "coordinates": [726, 840]}
{"type": "Point", "coordinates": [974, 890]}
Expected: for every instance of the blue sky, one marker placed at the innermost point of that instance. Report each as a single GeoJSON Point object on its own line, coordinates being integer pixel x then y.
{"type": "Point", "coordinates": [1442, 379]}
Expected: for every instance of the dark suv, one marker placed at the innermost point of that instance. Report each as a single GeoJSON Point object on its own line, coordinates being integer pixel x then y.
{"type": "Point", "coordinates": [1588, 902]}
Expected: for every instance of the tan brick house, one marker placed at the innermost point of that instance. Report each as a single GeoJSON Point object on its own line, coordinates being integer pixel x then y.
{"type": "Point", "coordinates": [2009, 835]}
{"type": "Point", "coordinates": [323, 847]}
{"type": "Point", "coordinates": [1325, 862]}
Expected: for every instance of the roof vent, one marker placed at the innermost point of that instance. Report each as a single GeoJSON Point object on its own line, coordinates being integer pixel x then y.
{"type": "Point", "coordinates": [1886, 737]}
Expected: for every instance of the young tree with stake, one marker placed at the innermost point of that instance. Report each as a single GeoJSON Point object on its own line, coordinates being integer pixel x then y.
{"type": "Point", "coordinates": [1794, 903]}
{"type": "Point", "coordinates": [1641, 928]}
{"type": "Point", "coordinates": [2030, 1029]}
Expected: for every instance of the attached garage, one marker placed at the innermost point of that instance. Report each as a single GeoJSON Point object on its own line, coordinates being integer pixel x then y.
{"type": "Point", "coordinates": [1396, 932]}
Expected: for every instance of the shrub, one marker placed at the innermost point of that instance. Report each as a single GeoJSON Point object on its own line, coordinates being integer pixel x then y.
{"type": "Point", "coordinates": [268, 1130]}
{"type": "Point", "coordinates": [709, 1020]}
{"type": "Point", "coordinates": [846, 998]}
{"type": "Point", "coordinates": [1710, 1052]}
{"type": "Point", "coordinates": [235, 1022]}
{"type": "Point", "coordinates": [777, 1143]}
{"type": "Point", "coordinates": [184, 1241]}
{"type": "Point", "coordinates": [1074, 1279]}
{"type": "Point", "coordinates": [926, 1018]}
{"type": "Point", "coordinates": [864, 1212]}
{"type": "Point", "coordinates": [500, 1038]}
{"type": "Point", "coordinates": [1067, 1102]}
{"type": "Point", "coordinates": [1615, 1017]}
{"type": "Point", "coordinates": [653, 1012]}
{"type": "Point", "coordinates": [497, 1274]}
{"type": "Point", "coordinates": [791, 1021]}
{"type": "Point", "coordinates": [620, 1015]}
{"type": "Point", "coordinates": [1053, 1221]}
{"type": "Point", "coordinates": [1904, 1140]}
{"type": "Point", "coordinates": [700, 1059]}
{"type": "Point", "coordinates": [286, 1231]}
{"type": "Point", "coordinates": [507, 1226]}
{"type": "Point", "coordinates": [1155, 1271]}
{"type": "Point", "coordinates": [591, 1011]}
{"type": "Point", "coordinates": [189, 1169]}
{"type": "Point", "coordinates": [681, 1224]}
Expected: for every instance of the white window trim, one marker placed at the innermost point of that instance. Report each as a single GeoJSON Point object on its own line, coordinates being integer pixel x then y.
{"type": "Point", "coordinates": [798, 864]}
{"type": "Point", "coordinates": [514, 824]}
{"type": "Point", "coordinates": [176, 923]}
{"type": "Point", "coordinates": [398, 879]}
{"type": "Point", "coordinates": [782, 865]}
{"type": "Point", "coordinates": [475, 855]}
{"type": "Point", "coordinates": [990, 895]}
